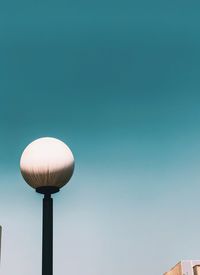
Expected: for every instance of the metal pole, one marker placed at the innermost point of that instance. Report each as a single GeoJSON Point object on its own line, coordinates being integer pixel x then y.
{"type": "Point", "coordinates": [47, 231]}
{"type": "Point", "coordinates": [47, 236]}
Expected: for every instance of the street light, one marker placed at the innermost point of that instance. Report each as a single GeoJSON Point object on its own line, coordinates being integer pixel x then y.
{"type": "Point", "coordinates": [47, 164]}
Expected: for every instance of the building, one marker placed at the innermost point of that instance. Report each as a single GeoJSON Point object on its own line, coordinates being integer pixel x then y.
{"type": "Point", "coordinates": [196, 269]}
{"type": "Point", "coordinates": [0, 241]}
{"type": "Point", "coordinates": [189, 267]}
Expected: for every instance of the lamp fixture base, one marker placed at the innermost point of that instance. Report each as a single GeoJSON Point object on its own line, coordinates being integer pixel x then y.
{"type": "Point", "coordinates": [47, 190]}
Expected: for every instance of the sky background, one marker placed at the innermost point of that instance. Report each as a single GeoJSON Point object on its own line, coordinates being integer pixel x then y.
{"type": "Point", "coordinates": [119, 82]}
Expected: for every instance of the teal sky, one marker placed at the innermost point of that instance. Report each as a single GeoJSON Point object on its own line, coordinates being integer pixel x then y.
{"type": "Point", "coordinates": [118, 81]}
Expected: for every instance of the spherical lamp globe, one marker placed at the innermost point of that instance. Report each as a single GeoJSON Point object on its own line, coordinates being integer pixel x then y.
{"type": "Point", "coordinates": [47, 162]}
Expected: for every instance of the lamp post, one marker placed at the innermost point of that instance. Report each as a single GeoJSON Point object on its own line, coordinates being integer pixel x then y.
{"type": "Point", "coordinates": [47, 164]}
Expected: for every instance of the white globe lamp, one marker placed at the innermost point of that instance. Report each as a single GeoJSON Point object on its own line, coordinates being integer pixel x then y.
{"type": "Point", "coordinates": [47, 164]}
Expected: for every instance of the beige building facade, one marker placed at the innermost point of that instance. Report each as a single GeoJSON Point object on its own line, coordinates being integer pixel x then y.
{"type": "Point", "coordinates": [196, 270]}
{"type": "Point", "coordinates": [0, 241]}
{"type": "Point", "coordinates": [189, 267]}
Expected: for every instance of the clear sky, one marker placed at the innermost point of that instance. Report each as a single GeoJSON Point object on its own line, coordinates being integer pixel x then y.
{"type": "Point", "coordinates": [119, 82]}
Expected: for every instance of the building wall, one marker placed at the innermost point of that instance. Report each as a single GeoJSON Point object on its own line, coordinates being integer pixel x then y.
{"type": "Point", "coordinates": [0, 241]}
{"type": "Point", "coordinates": [196, 269]}
{"type": "Point", "coordinates": [176, 270]}
{"type": "Point", "coordinates": [188, 267]}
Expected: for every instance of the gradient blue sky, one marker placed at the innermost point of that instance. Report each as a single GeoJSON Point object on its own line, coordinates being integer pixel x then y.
{"type": "Point", "coordinates": [119, 82]}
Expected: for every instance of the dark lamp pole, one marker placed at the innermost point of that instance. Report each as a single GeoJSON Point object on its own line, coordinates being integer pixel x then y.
{"type": "Point", "coordinates": [47, 164]}
{"type": "Point", "coordinates": [47, 232]}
